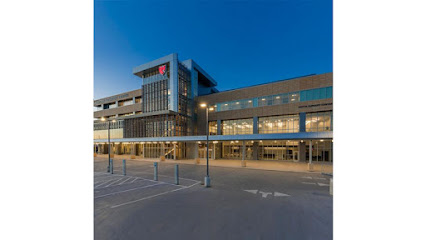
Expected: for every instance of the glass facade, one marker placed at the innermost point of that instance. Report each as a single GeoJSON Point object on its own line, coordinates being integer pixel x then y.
{"type": "Point", "coordinates": [322, 151]}
{"type": "Point", "coordinates": [284, 98]}
{"type": "Point", "coordinates": [236, 127]}
{"type": "Point", "coordinates": [156, 126]}
{"type": "Point", "coordinates": [100, 130]}
{"type": "Point", "coordinates": [155, 96]}
{"type": "Point", "coordinates": [315, 94]}
{"type": "Point", "coordinates": [155, 90]}
{"type": "Point", "coordinates": [278, 150]}
{"type": "Point", "coordinates": [184, 91]}
{"type": "Point", "coordinates": [234, 150]}
{"type": "Point", "coordinates": [240, 104]}
{"type": "Point", "coordinates": [319, 121]}
{"type": "Point", "coordinates": [279, 124]}
{"type": "Point", "coordinates": [278, 99]}
{"type": "Point", "coordinates": [213, 128]}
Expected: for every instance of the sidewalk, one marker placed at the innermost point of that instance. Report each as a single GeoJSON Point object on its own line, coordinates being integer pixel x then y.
{"type": "Point", "coordinates": [250, 164]}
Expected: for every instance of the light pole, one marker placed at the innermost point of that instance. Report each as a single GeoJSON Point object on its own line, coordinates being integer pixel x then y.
{"type": "Point", "coordinates": [207, 178]}
{"type": "Point", "coordinates": [109, 144]}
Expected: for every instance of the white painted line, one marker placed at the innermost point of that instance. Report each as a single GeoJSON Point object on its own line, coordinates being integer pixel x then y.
{"type": "Point", "coordinates": [147, 186]}
{"type": "Point", "coordinates": [134, 180]}
{"type": "Point", "coordinates": [104, 183]}
{"type": "Point", "coordinates": [312, 183]}
{"type": "Point", "coordinates": [156, 195]}
{"type": "Point", "coordinates": [307, 177]}
{"type": "Point", "coordinates": [323, 185]}
{"type": "Point", "coordinates": [320, 178]}
{"type": "Point", "coordinates": [278, 194]}
{"type": "Point", "coordinates": [265, 194]}
{"type": "Point", "coordinates": [179, 178]}
{"type": "Point", "coordinates": [251, 191]}
{"type": "Point", "coordinates": [124, 181]}
{"type": "Point", "coordinates": [113, 182]}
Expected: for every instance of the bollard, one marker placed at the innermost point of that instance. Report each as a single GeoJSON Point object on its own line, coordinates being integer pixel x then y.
{"type": "Point", "coordinates": [156, 171]}
{"type": "Point", "coordinates": [112, 166]}
{"type": "Point", "coordinates": [177, 174]}
{"type": "Point", "coordinates": [124, 166]}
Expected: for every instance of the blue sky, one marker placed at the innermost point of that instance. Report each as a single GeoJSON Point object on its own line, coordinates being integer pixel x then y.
{"type": "Point", "coordinates": [239, 43]}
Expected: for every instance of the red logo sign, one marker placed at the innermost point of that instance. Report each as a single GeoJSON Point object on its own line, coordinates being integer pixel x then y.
{"type": "Point", "coordinates": [162, 69]}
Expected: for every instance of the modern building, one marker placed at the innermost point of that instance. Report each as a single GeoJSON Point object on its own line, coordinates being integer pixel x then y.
{"type": "Point", "coordinates": [285, 120]}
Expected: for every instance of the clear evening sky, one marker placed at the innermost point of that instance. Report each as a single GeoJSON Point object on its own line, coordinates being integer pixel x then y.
{"type": "Point", "coordinates": [239, 43]}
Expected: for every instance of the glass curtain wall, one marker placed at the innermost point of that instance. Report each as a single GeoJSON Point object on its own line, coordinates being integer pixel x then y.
{"type": "Point", "coordinates": [156, 126]}
{"type": "Point", "coordinates": [155, 90]}
{"type": "Point", "coordinates": [284, 98]}
{"type": "Point", "coordinates": [278, 150]}
{"type": "Point", "coordinates": [319, 121]}
{"type": "Point", "coordinates": [184, 91]}
{"type": "Point", "coordinates": [212, 127]}
{"type": "Point", "coordinates": [237, 127]}
{"type": "Point", "coordinates": [234, 150]}
{"type": "Point", "coordinates": [279, 124]}
{"type": "Point", "coordinates": [101, 130]}
{"type": "Point", "coordinates": [322, 150]}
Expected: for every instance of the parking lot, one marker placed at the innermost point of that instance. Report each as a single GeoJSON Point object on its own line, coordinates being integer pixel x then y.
{"type": "Point", "coordinates": [241, 204]}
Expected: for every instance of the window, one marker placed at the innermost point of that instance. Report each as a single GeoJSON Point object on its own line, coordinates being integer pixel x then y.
{"type": "Point", "coordinates": [236, 127]}
{"type": "Point", "coordinates": [319, 122]}
{"type": "Point", "coordinates": [213, 128]}
{"type": "Point", "coordinates": [278, 150]}
{"type": "Point", "coordinates": [284, 98]}
{"type": "Point", "coordinates": [279, 124]}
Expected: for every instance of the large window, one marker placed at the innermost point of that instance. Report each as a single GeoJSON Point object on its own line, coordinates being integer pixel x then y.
{"type": "Point", "coordinates": [213, 128]}
{"type": "Point", "coordinates": [236, 127]}
{"type": "Point", "coordinates": [125, 102]}
{"type": "Point", "coordinates": [319, 121]}
{"type": "Point", "coordinates": [315, 94]}
{"type": "Point", "coordinates": [284, 98]}
{"type": "Point", "coordinates": [101, 130]}
{"type": "Point", "coordinates": [278, 150]}
{"type": "Point", "coordinates": [322, 150]}
{"type": "Point", "coordinates": [234, 150]}
{"type": "Point", "coordinates": [156, 126]}
{"type": "Point", "coordinates": [279, 124]}
{"type": "Point", "coordinates": [240, 104]}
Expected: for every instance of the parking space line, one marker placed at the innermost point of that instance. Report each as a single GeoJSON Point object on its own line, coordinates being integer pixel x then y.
{"type": "Point", "coordinates": [104, 179]}
{"type": "Point", "coordinates": [113, 182]}
{"type": "Point", "coordinates": [152, 196]}
{"type": "Point", "coordinates": [124, 181]}
{"type": "Point", "coordinates": [104, 183]}
{"type": "Point", "coordinates": [312, 183]}
{"type": "Point", "coordinates": [129, 190]}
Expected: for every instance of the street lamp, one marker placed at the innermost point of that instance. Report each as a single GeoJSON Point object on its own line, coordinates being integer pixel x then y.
{"type": "Point", "coordinates": [207, 178]}
{"type": "Point", "coordinates": [109, 144]}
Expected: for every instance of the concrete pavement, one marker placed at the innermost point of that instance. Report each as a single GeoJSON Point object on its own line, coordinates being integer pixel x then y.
{"type": "Point", "coordinates": [241, 204]}
{"type": "Point", "coordinates": [251, 164]}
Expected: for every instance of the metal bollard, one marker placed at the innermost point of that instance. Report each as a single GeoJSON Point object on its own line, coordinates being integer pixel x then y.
{"type": "Point", "coordinates": [112, 166]}
{"type": "Point", "coordinates": [156, 171]}
{"type": "Point", "coordinates": [124, 166]}
{"type": "Point", "coordinates": [177, 174]}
